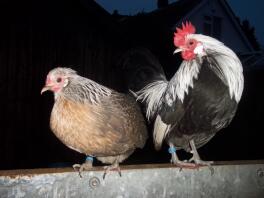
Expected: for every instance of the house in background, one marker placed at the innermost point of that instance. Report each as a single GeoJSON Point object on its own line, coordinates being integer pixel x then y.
{"type": "Point", "coordinates": [215, 18]}
{"type": "Point", "coordinates": [210, 17]}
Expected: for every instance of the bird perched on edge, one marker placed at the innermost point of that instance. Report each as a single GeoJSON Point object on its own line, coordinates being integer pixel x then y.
{"type": "Point", "coordinates": [94, 120]}
{"type": "Point", "coordinates": [200, 99]}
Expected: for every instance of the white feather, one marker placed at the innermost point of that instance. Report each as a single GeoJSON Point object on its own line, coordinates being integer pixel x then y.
{"type": "Point", "coordinates": [183, 79]}
{"type": "Point", "coordinates": [160, 131]}
{"type": "Point", "coordinates": [152, 94]}
{"type": "Point", "coordinates": [228, 62]}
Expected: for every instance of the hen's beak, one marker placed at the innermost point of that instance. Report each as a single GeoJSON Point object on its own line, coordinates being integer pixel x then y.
{"type": "Point", "coordinates": [177, 50]}
{"type": "Point", "coordinates": [45, 88]}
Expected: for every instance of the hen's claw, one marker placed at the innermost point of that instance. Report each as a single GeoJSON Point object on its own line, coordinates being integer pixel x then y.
{"type": "Point", "coordinates": [113, 167]}
{"type": "Point", "coordinates": [87, 165]}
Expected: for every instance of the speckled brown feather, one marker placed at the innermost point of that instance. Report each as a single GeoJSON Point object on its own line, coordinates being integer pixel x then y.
{"type": "Point", "coordinates": [111, 129]}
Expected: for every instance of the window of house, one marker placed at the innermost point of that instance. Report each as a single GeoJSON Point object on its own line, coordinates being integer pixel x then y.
{"type": "Point", "coordinates": [212, 26]}
{"type": "Point", "coordinates": [217, 27]}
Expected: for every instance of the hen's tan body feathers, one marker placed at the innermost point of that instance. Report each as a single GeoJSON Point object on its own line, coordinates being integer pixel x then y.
{"type": "Point", "coordinates": [112, 127]}
{"type": "Point", "coordinates": [93, 119]}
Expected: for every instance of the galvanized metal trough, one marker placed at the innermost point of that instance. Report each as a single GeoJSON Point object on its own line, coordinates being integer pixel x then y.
{"type": "Point", "coordinates": [230, 179]}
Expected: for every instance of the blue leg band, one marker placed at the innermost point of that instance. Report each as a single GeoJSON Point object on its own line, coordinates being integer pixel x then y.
{"type": "Point", "coordinates": [89, 158]}
{"type": "Point", "coordinates": [172, 150]}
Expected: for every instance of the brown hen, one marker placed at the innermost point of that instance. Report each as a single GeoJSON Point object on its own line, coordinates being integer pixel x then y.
{"type": "Point", "coordinates": [94, 120]}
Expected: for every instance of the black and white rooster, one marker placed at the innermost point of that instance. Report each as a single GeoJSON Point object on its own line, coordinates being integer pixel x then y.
{"type": "Point", "coordinates": [200, 99]}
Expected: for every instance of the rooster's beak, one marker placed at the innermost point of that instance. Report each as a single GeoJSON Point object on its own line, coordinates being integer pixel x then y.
{"type": "Point", "coordinates": [45, 88]}
{"type": "Point", "coordinates": [177, 50]}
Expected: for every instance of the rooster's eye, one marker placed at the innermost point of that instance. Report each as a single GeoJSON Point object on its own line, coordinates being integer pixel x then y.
{"type": "Point", "coordinates": [58, 80]}
{"type": "Point", "coordinates": [191, 43]}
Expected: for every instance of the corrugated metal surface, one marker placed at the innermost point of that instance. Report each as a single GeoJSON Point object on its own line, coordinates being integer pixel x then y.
{"type": "Point", "coordinates": [234, 179]}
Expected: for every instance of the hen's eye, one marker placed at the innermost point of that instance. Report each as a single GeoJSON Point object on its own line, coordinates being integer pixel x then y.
{"type": "Point", "coordinates": [58, 80]}
{"type": "Point", "coordinates": [191, 43]}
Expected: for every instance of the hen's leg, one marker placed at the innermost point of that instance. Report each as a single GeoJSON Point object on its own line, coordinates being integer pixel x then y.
{"type": "Point", "coordinates": [196, 158]}
{"type": "Point", "coordinates": [87, 165]}
{"type": "Point", "coordinates": [112, 167]}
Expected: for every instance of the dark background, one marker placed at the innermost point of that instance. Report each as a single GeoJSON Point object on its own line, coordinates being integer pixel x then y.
{"type": "Point", "coordinates": [36, 36]}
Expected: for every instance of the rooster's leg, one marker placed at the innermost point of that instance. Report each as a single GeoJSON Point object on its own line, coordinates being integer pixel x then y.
{"type": "Point", "coordinates": [113, 167]}
{"type": "Point", "coordinates": [196, 158]}
{"type": "Point", "coordinates": [87, 165]}
{"type": "Point", "coordinates": [175, 160]}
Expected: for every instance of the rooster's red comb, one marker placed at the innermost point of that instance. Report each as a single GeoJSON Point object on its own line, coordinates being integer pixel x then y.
{"type": "Point", "coordinates": [180, 34]}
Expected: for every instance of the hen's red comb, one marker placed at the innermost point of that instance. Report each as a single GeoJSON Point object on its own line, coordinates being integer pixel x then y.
{"type": "Point", "coordinates": [180, 34]}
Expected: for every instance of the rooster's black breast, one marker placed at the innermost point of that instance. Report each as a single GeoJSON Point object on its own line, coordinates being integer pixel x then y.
{"type": "Point", "coordinates": [206, 109]}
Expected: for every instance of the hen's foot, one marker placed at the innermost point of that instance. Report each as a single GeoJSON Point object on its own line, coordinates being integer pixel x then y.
{"type": "Point", "coordinates": [87, 165]}
{"type": "Point", "coordinates": [113, 167]}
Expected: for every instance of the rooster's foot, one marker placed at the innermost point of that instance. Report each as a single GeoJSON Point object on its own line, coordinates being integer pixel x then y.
{"type": "Point", "coordinates": [175, 160]}
{"type": "Point", "coordinates": [197, 160]}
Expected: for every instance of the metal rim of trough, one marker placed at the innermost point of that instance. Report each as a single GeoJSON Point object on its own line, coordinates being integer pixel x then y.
{"type": "Point", "coordinates": [235, 179]}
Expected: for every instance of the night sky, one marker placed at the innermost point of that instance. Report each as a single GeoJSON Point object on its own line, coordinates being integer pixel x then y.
{"type": "Point", "coordinates": [249, 9]}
